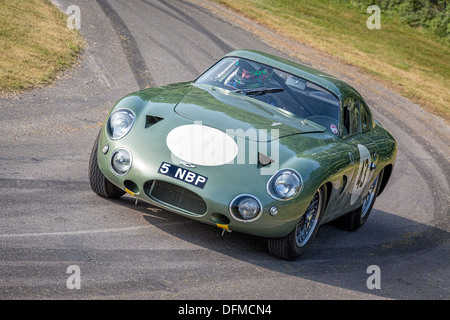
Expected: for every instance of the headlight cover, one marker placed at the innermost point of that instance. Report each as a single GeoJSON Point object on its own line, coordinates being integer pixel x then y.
{"type": "Point", "coordinates": [284, 185]}
{"type": "Point", "coordinates": [120, 123]}
{"type": "Point", "coordinates": [121, 161]}
{"type": "Point", "coordinates": [245, 207]}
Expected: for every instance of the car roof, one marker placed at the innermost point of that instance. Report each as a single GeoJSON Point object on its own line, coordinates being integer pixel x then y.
{"type": "Point", "coordinates": [334, 85]}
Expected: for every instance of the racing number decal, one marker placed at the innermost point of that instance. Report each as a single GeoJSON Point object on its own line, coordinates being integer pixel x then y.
{"type": "Point", "coordinates": [362, 177]}
{"type": "Point", "coordinates": [363, 174]}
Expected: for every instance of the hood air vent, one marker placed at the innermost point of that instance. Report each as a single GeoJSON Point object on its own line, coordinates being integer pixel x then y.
{"type": "Point", "coordinates": [264, 160]}
{"type": "Point", "coordinates": [151, 120]}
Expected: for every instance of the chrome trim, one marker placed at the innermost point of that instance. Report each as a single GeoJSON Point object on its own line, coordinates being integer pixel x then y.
{"type": "Point", "coordinates": [187, 164]}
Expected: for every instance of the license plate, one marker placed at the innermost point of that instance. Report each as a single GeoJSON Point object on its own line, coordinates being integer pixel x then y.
{"type": "Point", "coordinates": [182, 174]}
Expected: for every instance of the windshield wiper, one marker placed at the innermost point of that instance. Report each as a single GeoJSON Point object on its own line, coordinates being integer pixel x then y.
{"type": "Point", "coordinates": [259, 91]}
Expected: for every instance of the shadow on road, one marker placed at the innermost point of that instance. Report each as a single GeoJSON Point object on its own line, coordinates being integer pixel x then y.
{"type": "Point", "coordinates": [336, 257]}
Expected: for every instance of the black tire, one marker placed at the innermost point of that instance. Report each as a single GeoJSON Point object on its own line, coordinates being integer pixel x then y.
{"type": "Point", "coordinates": [357, 218]}
{"type": "Point", "coordinates": [294, 244]}
{"type": "Point", "coordinates": [99, 184]}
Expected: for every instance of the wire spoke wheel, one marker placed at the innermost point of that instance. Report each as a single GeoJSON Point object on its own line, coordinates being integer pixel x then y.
{"type": "Point", "coordinates": [298, 240]}
{"type": "Point", "coordinates": [307, 224]}
{"type": "Point", "coordinates": [369, 198]}
{"type": "Point", "coordinates": [357, 218]}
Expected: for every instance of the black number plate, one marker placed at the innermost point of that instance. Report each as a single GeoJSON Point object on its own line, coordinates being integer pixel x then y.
{"type": "Point", "coordinates": [182, 174]}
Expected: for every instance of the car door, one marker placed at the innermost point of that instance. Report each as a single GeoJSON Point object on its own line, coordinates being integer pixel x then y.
{"type": "Point", "coordinates": [357, 125]}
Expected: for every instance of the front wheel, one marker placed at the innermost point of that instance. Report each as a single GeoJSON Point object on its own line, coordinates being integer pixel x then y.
{"type": "Point", "coordinates": [298, 240]}
{"type": "Point", "coordinates": [99, 184]}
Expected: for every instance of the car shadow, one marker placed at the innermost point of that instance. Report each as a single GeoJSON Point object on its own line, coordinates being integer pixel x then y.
{"type": "Point", "coordinates": [336, 257]}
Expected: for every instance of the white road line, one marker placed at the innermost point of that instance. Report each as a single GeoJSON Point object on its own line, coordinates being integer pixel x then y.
{"type": "Point", "coordinates": [69, 233]}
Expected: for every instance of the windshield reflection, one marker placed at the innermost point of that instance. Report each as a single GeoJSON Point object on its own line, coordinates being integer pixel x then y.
{"type": "Point", "coordinates": [276, 88]}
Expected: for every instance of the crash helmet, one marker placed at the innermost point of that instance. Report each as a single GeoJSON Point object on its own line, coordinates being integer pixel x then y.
{"type": "Point", "coordinates": [247, 76]}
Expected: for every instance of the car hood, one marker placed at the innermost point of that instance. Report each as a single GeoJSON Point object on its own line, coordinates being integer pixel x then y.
{"type": "Point", "coordinates": [236, 114]}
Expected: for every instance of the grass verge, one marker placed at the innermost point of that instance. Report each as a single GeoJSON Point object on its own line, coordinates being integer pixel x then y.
{"type": "Point", "coordinates": [35, 44]}
{"type": "Point", "coordinates": [412, 62]}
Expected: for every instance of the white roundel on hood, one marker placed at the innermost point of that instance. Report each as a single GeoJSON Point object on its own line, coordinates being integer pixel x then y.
{"type": "Point", "coordinates": [201, 145]}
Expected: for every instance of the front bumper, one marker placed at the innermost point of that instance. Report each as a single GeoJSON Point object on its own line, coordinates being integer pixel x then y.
{"type": "Point", "coordinates": [209, 204]}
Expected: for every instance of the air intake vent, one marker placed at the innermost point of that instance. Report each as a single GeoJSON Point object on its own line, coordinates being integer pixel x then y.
{"type": "Point", "coordinates": [264, 160]}
{"type": "Point", "coordinates": [175, 196]}
{"type": "Point", "coordinates": [151, 120]}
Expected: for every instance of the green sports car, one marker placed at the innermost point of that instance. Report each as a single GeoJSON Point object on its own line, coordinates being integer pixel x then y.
{"type": "Point", "coordinates": [257, 144]}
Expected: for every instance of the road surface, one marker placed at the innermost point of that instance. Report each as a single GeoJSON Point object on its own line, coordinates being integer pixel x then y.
{"type": "Point", "coordinates": [51, 221]}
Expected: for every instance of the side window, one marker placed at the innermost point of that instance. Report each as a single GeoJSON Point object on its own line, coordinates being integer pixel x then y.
{"type": "Point", "coordinates": [351, 117]}
{"type": "Point", "coordinates": [355, 118]}
{"type": "Point", "coordinates": [366, 118]}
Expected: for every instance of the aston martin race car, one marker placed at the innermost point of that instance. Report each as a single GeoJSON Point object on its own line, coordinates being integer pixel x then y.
{"type": "Point", "coordinates": [257, 144]}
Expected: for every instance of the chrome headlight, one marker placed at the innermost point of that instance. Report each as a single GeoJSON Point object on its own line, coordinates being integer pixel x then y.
{"type": "Point", "coordinates": [245, 207]}
{"type": "Point", "coordinates": [285, 184]}
{"type": "Point", "coordinates": [120, 123]}
{"type": "Point", "coordinates": [121, 161]}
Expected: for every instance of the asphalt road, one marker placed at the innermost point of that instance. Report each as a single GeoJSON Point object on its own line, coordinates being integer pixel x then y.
{"type": "Point", "coordinates": [51, 220]}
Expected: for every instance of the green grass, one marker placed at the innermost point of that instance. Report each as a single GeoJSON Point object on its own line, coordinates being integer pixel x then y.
{"type": "Point", "coordinates": [413, 62]}
{"type": "Point", "coordinates": [35, 44]}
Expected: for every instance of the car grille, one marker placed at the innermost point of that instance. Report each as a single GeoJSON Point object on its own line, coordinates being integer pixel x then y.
{"type": "Point", "coordinates": [175, 196]}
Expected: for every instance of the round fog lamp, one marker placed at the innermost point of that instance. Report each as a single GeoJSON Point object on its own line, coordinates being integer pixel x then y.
{"type": "Point", "coordinates": [245, 207]}
{"type": "Point", "coordinates": [248, 208]}
{"type": "Point", "coordinates": [121, 161]}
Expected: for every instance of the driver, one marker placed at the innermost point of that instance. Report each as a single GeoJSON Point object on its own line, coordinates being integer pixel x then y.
{"type": "Point", "coordinates": [247, 77]}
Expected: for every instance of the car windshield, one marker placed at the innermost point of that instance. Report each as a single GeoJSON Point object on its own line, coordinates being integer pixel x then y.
{"type": "Point", "coordinates": [275, 87]}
